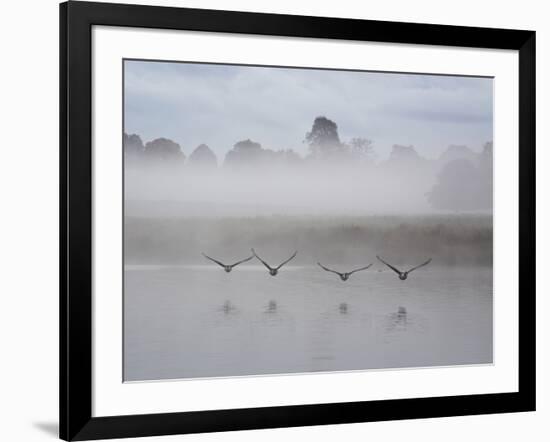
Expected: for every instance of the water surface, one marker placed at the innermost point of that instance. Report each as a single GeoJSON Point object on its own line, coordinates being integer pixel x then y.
{"type": "Point", "coordinates": [198, 321]}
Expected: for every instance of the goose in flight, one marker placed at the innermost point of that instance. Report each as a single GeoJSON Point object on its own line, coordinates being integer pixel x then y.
{"type": "Point", "coordinates": [273, 270]}
{"type": "Point", "coordinates": [403, 275]}
{"type": "Point", "coordinates": [227, 267]}
{"type": "Point", "coordinates": [345, 275]}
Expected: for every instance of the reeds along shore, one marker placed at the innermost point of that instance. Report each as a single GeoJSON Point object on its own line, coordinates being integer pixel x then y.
{"type": "Point", "coordinates": [453, 240]}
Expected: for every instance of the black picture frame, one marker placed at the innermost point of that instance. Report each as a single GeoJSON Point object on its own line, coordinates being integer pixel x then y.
{"type": "Point", "coordinates": [76, 21]}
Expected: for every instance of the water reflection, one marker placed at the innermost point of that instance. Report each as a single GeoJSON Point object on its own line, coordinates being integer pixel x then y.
{"type": "Point", "coordinates": [228, 307]}
{"type": "Point", "coordinates": [299, 323]}
{"type": "Point", "coordinates": [397, 321]}
{"type": "Point", "coordinates": [343, 307]}
{"type": "Point", "coordinates": [271, 307]}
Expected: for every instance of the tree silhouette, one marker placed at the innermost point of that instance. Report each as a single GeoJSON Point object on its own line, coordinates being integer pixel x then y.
{"type": "Point", "coordinates": [361, 149]}
{"type": "Point", "coordinates": [132, 144]}
{"type": "Point", "coordinates": [289, 157]}
{"type": "Point", "coordinates": [164, 149]}
{"type": "Point", "coordinates": [245, 152]}
{"type": "Point", "coordinates": [457, 152]}
{"type": "Point", "coordinates": [248, 153]}
{"type": "Point", "coordinates": [459, 187]}
{"type": "Point", "coordinates": [486, 171]}
{"type": "Point", "coordinates": [403, 155]}
{"type": "Point", "coordinates": [323, 139]}
{"type": "Point", "coordinates": [203, 156]}
{"type": "Point", "coordinates": [486, 158]}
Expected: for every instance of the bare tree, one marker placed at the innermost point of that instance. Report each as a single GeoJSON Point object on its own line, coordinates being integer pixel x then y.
{"type": "Point", "coordinates": [361, 149]}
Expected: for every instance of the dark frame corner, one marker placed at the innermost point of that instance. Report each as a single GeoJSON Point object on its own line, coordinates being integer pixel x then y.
{"type": "Point", "coordinates": [76, 21]}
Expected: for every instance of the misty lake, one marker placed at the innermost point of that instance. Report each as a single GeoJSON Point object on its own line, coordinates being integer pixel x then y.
{"type": "Point", "coordinates": [198, 321]}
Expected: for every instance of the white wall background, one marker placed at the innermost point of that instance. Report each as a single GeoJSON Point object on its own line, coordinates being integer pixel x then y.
{"type": "Point", "coordinates": [29, 218]}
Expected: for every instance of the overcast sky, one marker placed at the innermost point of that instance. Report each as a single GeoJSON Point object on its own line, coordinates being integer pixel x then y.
{"type": "Point", "coordinates": [222, 104]}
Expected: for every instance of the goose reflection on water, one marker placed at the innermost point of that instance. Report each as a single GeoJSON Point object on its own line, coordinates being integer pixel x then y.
{"type": "Point", "coordinates": [271, 307]}
{"type": "Point", "coordinates": [228, 307]}
{"type": "Point", "coordinates": [398, 320]}
{"type": "Point", "coordinates": [343, 308]}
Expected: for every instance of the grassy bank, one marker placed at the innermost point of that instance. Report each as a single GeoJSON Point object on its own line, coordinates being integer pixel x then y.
{"type": "Point", "coordinates": [450, 239]}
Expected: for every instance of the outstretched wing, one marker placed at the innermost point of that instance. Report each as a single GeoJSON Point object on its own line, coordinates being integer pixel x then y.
{"type": "Point", "coordinates": [284, 262]}
{"type": "Point", "coordinates": [389, 265]}
{"type": "Point", "coordinates": [421, 265]}
{"type": "Point", "coordinates": [327, 269]}
{"type": "Point", "coordinates": [242, 260]}
{"type": "Point", "coordinates": [358, 270]}
{"type": "Point", "coordinates": [214, 260]}
{"type": "Point", "coordinates": [262, 261]}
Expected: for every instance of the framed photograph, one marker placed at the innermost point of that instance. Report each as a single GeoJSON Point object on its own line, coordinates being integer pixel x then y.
{"type": "Point", "coordinates": [273, 220]}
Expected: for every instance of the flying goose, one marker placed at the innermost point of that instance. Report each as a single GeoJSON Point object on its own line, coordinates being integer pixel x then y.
{"type": "Point", "coordinates": [403, 275]}
{"type": "Point", "coordinates": [227, 267]}
{"type": "Point", "coordinates": [273, 270]}
{"type": "Point", "coordinates": [345, 275]}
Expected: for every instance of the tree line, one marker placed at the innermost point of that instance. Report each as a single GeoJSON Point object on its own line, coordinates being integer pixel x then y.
{"type": "Point", "coordinates": [462, 178]}
{"type": "Point", "coordinates": [323, 141]}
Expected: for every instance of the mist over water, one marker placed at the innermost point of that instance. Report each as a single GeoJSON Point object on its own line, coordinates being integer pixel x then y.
{"type": "Point", "coordinates": [342, 214]}
{"type": "Point", "coordinates": [401, 186]}
{"type": "Point", "coordinates": [185, 317]}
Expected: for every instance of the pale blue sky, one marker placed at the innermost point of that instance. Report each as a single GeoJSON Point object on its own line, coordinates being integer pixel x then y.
{"type": "Point", "coordinates": [222, 104]}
